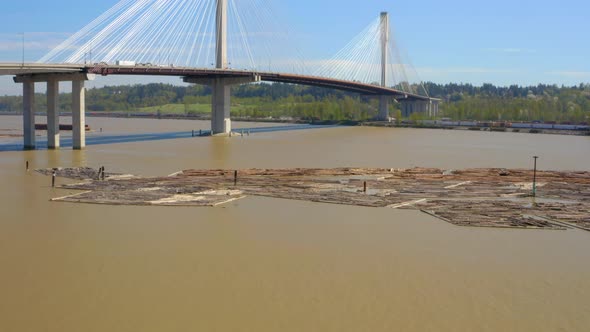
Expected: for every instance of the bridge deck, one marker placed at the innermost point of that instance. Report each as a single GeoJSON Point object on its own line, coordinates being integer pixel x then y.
{"type": "Point", "coordinates": [106, 70]}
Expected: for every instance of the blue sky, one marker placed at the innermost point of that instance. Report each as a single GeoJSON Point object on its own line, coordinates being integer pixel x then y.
{"type": "Point", "coordinates": [502, 42]}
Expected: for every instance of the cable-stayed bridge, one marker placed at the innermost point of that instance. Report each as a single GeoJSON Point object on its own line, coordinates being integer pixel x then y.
{"type": "Point", "coordinates": [209, 42]}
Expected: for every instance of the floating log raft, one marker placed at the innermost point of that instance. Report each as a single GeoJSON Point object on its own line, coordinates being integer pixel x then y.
{"type": "Point", "coordinates": [470, 197]}
{"type": "Point", "coordinates": [83, 173]}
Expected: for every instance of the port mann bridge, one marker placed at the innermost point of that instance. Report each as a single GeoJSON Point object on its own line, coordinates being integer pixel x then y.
{"type": "Point", "coordinates": [143, 32]}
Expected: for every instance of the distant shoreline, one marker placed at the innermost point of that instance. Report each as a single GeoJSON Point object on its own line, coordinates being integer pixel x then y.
{"type": "Point", "coordinates": [326, 122]}
{"type": "Point", "coordinates": [484, 129]}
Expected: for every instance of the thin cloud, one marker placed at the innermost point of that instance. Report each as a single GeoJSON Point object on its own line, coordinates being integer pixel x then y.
{"type": "Point", "coordinates": [511, 50]}
{"type": "Point", "coordinates": [571, 74]}
{"type": "Point", "coordinates": [34, 41]}
{"type": "Point", "coordinates": [463, 70]}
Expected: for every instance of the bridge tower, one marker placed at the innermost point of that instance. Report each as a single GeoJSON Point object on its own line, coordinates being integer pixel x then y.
{"type": "Point", "coordinates": [384, 100]}
{"type": "Point", "coordinates": [221, 83]}
{"type": "Point", "coordinates": [221, 34]}
{"type": "Point", "coordinates": [220, 107]}
{"type": "Point", "coordinates": [429, 107]}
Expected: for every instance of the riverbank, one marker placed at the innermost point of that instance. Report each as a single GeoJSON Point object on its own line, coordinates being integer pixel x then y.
{"type": "Point", "coordinates": [481, 128]}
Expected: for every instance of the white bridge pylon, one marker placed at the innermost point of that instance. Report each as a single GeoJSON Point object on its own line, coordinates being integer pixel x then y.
{"type": "Point", "coordinates": [384, 100]}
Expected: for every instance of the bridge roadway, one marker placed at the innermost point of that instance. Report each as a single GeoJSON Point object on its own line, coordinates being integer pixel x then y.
{"type": "Point", "coordinates": [206, 73]}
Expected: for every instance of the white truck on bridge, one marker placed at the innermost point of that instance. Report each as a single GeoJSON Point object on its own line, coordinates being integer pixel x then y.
{"type": "Point", "coordinates": [125, 63]}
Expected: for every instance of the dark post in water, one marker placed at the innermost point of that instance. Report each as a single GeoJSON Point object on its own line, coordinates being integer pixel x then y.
{"type": "Point", "coordinates": [535, 177]}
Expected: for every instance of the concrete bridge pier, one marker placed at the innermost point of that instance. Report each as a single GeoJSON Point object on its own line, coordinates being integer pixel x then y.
{"type": "Point", "coordinates": [78, 115]}
{"type": "Point", "coordinates": [426, 107]}
{"type": "Point", "coordinates": [220, 107]}
{"type": "Point", "coordinates": [78, 108]}
{"type": "Point", "coordinates": [383, 108]}
{"type": "Point", "coordinates": [220, 101]}
{"type": "Point", "coordinates": [29, 115]}
{"type": "Point", "coordinates": [53, 136]}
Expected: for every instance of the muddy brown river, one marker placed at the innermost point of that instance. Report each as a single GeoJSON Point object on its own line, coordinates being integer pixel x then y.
{"type": "Point", "coordinates": [262, 264]}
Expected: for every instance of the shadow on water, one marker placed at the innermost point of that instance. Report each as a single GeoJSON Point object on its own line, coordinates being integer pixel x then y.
{"type": "Point", "coordinates": [66, 142]}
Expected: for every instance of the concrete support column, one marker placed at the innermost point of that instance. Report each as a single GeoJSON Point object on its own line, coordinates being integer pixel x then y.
{"type": "Point", "coordinates": [78, 115]}
{"type": "Point", "coordinates": [409, 107]}
{"type": "Point", "coordinates": [383, 108]}
{"type": "Point", "coordinates": [220, 104]}
{"type": "Point", "coordinates": [29, 115]}
{"type": "Point", "coordinates": [53, 114]}
{"type": "Point", "coordinates": [78, 106]}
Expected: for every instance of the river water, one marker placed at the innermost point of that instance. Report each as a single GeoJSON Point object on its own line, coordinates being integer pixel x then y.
{"type": "Point", "coordinates": [277, 265]}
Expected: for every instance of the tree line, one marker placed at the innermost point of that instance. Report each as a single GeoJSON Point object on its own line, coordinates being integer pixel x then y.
{"type": "Point", "coordinates": [514, 103]}
{"type": "Point", "coordinates": [458, 101]}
